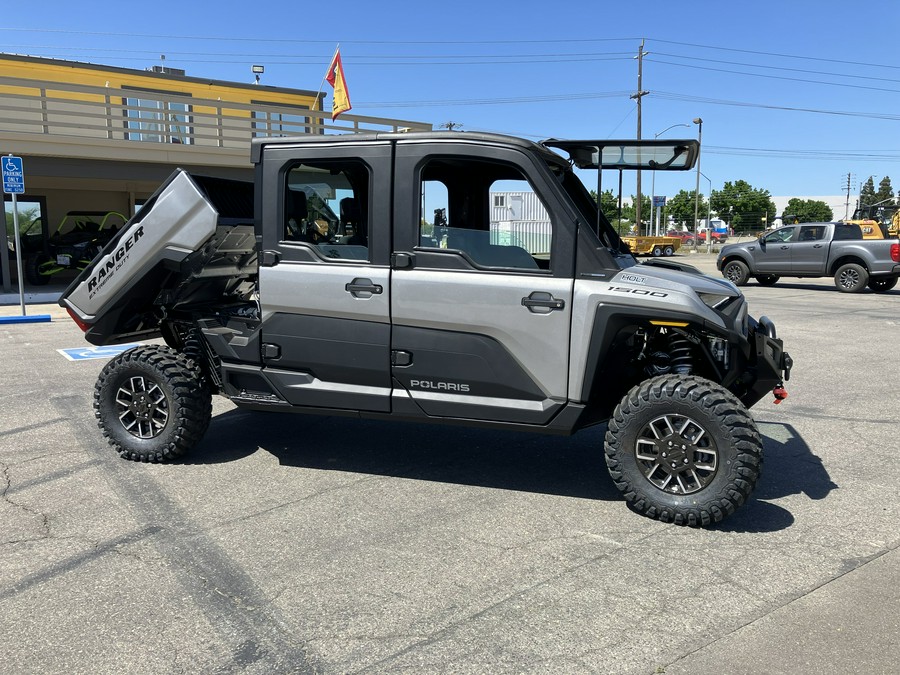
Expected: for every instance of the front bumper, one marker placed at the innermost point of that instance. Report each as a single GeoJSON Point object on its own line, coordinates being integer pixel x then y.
{"type": "Point", "coordinates": [770, 366]}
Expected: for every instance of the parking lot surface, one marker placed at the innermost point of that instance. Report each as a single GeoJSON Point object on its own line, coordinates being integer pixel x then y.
{"type": "Point", "coordinates": [294, 543]}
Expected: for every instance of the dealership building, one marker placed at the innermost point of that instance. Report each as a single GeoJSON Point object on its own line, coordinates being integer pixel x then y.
{"type": "Point", "coordinates": [100, 139]}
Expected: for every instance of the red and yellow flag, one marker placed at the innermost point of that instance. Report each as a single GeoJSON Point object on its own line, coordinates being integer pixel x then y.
{"type": "Point", "coordinates": [335, 77]}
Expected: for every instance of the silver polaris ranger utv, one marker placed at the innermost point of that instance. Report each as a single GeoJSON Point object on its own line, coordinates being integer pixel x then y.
{"type": "Point", "coordinates": [462, 278]}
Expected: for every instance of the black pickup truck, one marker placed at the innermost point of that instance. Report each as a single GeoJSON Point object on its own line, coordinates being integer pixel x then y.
{"type": "Point", "coordinates": [815, 250]}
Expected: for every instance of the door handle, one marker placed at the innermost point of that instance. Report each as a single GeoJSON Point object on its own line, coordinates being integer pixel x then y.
{"type": "Point", "coordinates": [359, 287]}
{"type": "Point", "coordinates": [817, 246]}
{"type": "Point", "coordinates": [784, 248]}
{"type": "Point", "coordinates": [539, 300]}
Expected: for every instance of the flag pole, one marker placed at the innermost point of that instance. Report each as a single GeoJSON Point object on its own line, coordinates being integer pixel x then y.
{"type": "Point", "coordinates": [322, 84]}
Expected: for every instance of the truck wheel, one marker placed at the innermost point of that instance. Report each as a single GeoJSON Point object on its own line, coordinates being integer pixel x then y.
{"type": "Point", "coordinates": [882, 284]}
{"type": "Point", "coordinates": [737, 272]}
{"type": "Point", "coordinates": [683, 449]}
{"type": "Point", "coordinates": [150, 404]}
{"type": "Point", "coordinates": [657, 251]}
{"type": "Point", "coordinates": [851, 278]}
{"type": "Point", "coordinates": [669, 250]}
{"type": "Point", "coordinates": [33, 265]}
{"type": "Point", "coordinates": [767, 279]}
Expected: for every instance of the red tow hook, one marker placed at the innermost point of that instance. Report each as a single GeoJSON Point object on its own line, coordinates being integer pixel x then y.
{"type": "Point", "coordinates": [780, 394]}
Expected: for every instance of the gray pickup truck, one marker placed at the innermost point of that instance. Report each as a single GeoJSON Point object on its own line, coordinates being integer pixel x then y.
{"type": "Point", "coordinates": [815, 250]}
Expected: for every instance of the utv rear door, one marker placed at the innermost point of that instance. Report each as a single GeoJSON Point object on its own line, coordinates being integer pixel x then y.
{"type": "Point", "coordinates": [481, 291]}
{"type": "Point", "coordinates": [324, 275]}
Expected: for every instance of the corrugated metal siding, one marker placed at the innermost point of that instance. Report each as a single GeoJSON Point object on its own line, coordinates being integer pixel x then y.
{"type": "Point", "coordinates": [522, 221]}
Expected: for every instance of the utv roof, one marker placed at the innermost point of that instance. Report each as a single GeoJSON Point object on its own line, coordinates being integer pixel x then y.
{"type": "Point", "coordinates": [455, 136]}
{"type": "Point", "coordinates": [658, 155]}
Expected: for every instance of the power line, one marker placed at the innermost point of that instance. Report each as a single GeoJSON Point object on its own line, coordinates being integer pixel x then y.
{"type": "Point", "coordinates": [786, 56]}
{"type": "Point", "coordinates": [743, 104]}
{"type": "Point", "coordinates": [776, 77]}
{"type": "Point", "coordinates": [782, 68]}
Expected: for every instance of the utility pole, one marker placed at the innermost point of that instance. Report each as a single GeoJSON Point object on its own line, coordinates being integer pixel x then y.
{"type": "Point", "coordinates": [638, 96]}
{"type": "Point", "coordinates": [847, 204]}
{"type": "Point", "coordinates": [450, 126]}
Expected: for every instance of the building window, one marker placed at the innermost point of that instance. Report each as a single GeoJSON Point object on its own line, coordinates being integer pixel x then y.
{"type": "Point", "coordinates": [151, 118]}
{"type": "Point", "coordinates": [499, 201]}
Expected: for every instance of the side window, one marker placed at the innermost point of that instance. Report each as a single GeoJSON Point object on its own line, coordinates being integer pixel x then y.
{"type": "Point", "coordinates": [811, 233]}
{"type": "Point", "coordinates": [486, 210]}
{"type": "Point", "coordinates": [326, 206]}
{"type": "Point", "coordinates": [780, 236]}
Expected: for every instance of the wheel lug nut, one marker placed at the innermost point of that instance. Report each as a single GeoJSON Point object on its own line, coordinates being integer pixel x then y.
{"type": "Point", "coordinates": [665, 454]}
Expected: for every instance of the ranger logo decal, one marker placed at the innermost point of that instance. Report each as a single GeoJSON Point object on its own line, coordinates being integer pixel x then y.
{"type": "Point", "coordinates": [114, 261]}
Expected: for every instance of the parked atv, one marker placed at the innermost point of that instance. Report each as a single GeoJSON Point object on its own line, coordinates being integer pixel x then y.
{"type": "Point", "coordinates": [78, 239]}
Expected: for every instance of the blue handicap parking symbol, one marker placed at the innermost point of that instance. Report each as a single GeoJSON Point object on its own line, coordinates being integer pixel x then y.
{"type": "Point", "coordinates": [105, 352]}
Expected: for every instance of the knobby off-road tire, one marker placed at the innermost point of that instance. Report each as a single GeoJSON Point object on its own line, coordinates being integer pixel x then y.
{"type": "Point", "coordinates": [683, 450]}
{"type": "Point", "coordinates": [151, 404]}
{"type": "Point", "coordinates": [736, 272]}
{"type": "Point", "coordinates": [851, 278]}
{"type": "Point", "coordinates": [882, 284]}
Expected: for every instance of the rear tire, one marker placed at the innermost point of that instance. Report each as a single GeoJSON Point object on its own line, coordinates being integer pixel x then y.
{"type": "Point", "coordinates": [151, 404]}
{"type": "Point", "coordinates": [684, 450]}
{"type": "Point", "coordinates": [767, 280]}
{"type": "Point", "coordinates": [882, 284]}
{"type": "Point", "coordinates": [669, 250]}
{"type": "Point", "coordinates": [851, 278]}
{"type": "Point", "coordinates": [656, 252]}
{"type": "Point", "coordinates": [737, 272]}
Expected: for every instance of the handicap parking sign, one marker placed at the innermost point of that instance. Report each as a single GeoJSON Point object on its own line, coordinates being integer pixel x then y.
{"type": "Point", "coordinates": [13, 175]}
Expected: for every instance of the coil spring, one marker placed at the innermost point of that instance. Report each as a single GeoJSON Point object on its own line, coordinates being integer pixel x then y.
{"type": "Point", "coordinates": [680, 354]}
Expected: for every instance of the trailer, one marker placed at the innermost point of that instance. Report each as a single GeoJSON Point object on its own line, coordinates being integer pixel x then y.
{"type": "Point", "coordinates": [655, 246]}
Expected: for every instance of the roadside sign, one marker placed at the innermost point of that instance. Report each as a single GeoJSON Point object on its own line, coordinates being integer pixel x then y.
{"type": "Point", "coordinates": [13, 175]}
{"type": "Point", "coordinates": [105, 352]}
{"type": "Point", "coordinates": [659, 200]}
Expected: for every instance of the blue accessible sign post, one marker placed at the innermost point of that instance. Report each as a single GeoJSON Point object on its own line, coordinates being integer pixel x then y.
{"type": "Point", "coordinates": [14, 184]}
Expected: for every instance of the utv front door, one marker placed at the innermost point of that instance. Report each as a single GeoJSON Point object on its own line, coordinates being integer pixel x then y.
{"type": "Point", "coordinates": [481, 291]}
{"type": "Point", "coordinates": [324, 275]}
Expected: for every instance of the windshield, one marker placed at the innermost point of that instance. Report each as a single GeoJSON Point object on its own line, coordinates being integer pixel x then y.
{"type": "Point", "coordinates": [587, 207]}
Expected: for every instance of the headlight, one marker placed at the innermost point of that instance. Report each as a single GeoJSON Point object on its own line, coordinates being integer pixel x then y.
{"type": "Point", "coordinates": [714, 300]}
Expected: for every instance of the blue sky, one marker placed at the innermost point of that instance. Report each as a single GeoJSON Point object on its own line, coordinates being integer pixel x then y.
{"type": "Point", "coordinates": [792, 100]}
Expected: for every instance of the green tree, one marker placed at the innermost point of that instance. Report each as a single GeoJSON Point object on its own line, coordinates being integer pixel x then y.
{"type": "Point", "coordinates": [809, 210]}
{"type": "Point", "coordinates": [628, 210]}
{"type": "Point", "coordinates": [608, 204]}
{"type": "Point", "coordinates": [867, 192]}
{"type": "Point", "coordinates": [681, 208]}
{"type": "Point", "coordinates": [885, 194]}
{"type": "Point", "coordinates": [742, 206]}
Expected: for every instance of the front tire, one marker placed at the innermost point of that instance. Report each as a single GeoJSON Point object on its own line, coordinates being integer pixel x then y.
{"type": "Point", "coordinates": [683, 450]}
{"type": "Point", "coordinates": [882, 284]}
{"type": "Point", "coordinates": [851, 278]}
{"type": "Point", "coordinates": [151, 404]}
{"type": "Point", "coordinates": [737, 272]}
{"type": "Point", "coordinates": [656, 252]}
{"type": "Point", "coordinates": [669, 251]}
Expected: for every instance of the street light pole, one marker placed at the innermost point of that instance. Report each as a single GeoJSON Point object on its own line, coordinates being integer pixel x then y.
{"type": "Point", "coordinates": [653, 179]}
{"type": "Point", "coordinates": [699, 122]}
{"type": "Point", "coordinates": [708, 215]}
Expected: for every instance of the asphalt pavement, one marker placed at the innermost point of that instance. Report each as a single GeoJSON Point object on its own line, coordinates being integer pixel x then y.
{"type": "Point", "coordinates": [294, 543]}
